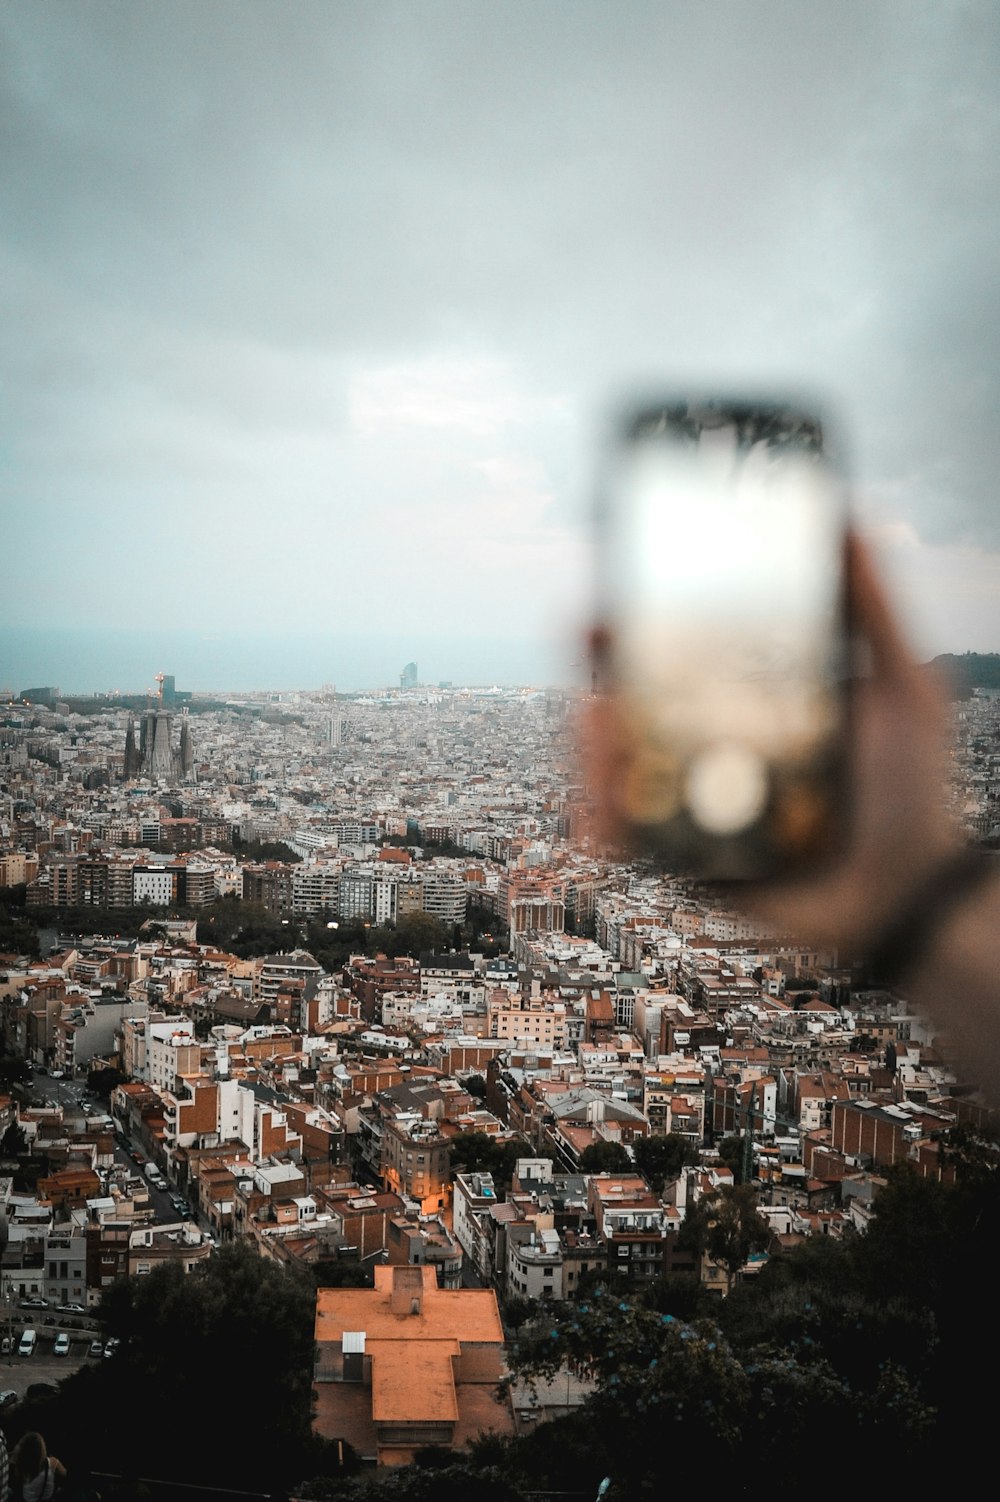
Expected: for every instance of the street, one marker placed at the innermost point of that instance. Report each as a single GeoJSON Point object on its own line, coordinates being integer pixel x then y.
{"type": "Point", "coordinates": [72, 1095]}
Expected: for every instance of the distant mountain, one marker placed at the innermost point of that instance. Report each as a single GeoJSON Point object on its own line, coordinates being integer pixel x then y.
{"type": "Point", "coordinates": [970, 671]}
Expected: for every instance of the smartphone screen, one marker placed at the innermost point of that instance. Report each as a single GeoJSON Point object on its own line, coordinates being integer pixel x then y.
{"type": "Point", "coordinates": [722, 606]}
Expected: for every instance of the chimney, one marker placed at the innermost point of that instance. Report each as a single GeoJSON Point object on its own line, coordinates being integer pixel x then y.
{"type": "Point", "coordinates": [407, 1290]}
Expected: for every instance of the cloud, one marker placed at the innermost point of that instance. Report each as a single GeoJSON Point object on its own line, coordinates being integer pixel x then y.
{"type": "Point", "coordinates": [329, 292]}
{"type": "Point", "coordinates": [469, 397]}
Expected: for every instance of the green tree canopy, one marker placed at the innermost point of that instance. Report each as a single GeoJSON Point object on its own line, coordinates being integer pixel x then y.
{"type": "Point", "coordinates": [103, 1081]}
{"type": "Point", "coordinates": [477, 1152]}
{"type": "Point", "coordinates": [13, 1071]}
{"type": "Point", "coordinates": [238, 1331]}
{"type": "Point", "coordinates": [13, 1143]}
{"type": "Point", "coordinates": [18, 929]}
{"type": "Point", "coordinates": [660, 1375]}
{"type": "Point", "coordinates": [730, 1151]}
{"type": "Point", "coordinates": [605, 1157]}
{"type": "Point", "coordinates": [661, 1158]}
{"type": "Point", "coordinates": [726, 1227]}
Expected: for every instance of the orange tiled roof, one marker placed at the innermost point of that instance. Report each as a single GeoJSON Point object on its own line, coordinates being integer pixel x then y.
{"type": "Point", "coordinates": [415, 1386]}
{"type": "Point", "coordinates": [467, 1314]}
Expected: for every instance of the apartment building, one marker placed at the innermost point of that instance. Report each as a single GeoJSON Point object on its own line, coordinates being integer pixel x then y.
{"type": "Point", "coordinates": [315, 887]}
{"type": "Point", "coordinates": [407, 1365]}
{"type": "Point", "coordinates": [638, 1232]}
{"type": "Point", "coordinates": [269, 883]}
{"type": "Point", "coordinates": [277, 971]}
{"type": "Point", "coordinates": [416, 1160]}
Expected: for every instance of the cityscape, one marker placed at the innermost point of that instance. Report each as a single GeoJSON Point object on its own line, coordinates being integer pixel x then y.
{"type": "Point", "coordinates": [387, 1111]}
{"type": "Point", "coordinates": [345, 980]}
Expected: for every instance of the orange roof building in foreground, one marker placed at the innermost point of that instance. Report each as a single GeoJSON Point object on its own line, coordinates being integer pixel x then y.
{"type": "Point", "coordinates": [407, 1364]}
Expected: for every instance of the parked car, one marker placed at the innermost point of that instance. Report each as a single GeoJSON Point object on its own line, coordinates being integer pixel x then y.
{"type": "Point", "coordinates": [34, 1303]}
{"type": "Point", "coordinates": [112, 1346]}
{"type": "Point", "coordinates": [180, 1205]}
{"type": "Point", "coordinates": [7, 1397]}
{"type": "Point", "coordinates": [96, 1348]}
{"type": "Point", "coordinates": [28, 1342]}
{"type": "Point", "coordinates": [57, 1074]}
{"type": "Point", "coordinates": [70, 1309]}
{"type": "Point", "coordinates": [61, 1347]}
{"type": "Point", "coordinates": [7, 1345]}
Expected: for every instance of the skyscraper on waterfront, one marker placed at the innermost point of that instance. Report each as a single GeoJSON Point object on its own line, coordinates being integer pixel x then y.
{"type": "Point", "coordinates": [408, 677]}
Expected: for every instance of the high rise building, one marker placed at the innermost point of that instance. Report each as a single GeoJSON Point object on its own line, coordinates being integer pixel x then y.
{"type": "Point", "coordinates": [408, 677]}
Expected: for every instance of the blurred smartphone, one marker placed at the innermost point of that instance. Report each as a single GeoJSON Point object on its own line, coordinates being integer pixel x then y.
{"type": "Point", "coordinates": [723, 637]}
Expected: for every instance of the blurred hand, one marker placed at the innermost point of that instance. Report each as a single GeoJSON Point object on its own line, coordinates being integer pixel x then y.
{"type": "Point", "coordinates": [897, 829]}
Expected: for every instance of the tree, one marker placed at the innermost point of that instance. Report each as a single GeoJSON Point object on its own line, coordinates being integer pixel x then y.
{"type": "Point", "coordinates": [236, 1318]}
{"type": "Point", "coordinates": [264, 850]}
{"type": "Point", "coordinates": [13, 1143]}
{"type": "Point", "coordinates": [657, 1374]}
{"type": "Point", "coordinates": [477, 1152]}
{"type": "Point", "coordinates": [683, 1295]}
{"type": "Point", "coordinates": [725, 1227]}
{"type": "Point", "coordinates": [13, 1071]}
{"type": "Point", "coordinates": [418, 933]}
{"type": "Point", "coordinates": [341, 1272]}
{"type": "Point", "coordinates": [605, 1157]}
{"type": "Point", "coordinates": [18, 932]}
{"type": "Point", "coordinates": [103, 1081]}
{"type": "Point", "coordinates": [661, 1158]}
{"type": "Point", "coordinates": [730, 1151]}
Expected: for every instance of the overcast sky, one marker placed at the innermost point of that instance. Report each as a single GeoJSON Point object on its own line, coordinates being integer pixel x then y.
{"type": "Point", "coordinates": [311, 311]}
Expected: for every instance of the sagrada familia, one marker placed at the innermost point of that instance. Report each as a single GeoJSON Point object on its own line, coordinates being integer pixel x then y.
{"type": "Point", "coordinates": [155, 757]}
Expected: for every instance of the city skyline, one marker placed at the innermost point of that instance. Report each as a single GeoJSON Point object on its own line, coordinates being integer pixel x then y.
{"type": "Point", "coordinates": [89, 662]}
{"type": "Point", "coordinates": [315, 316]}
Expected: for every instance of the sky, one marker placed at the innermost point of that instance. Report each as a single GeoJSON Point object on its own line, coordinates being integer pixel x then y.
{"type": "Point", "coordinates": [314, 314]}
